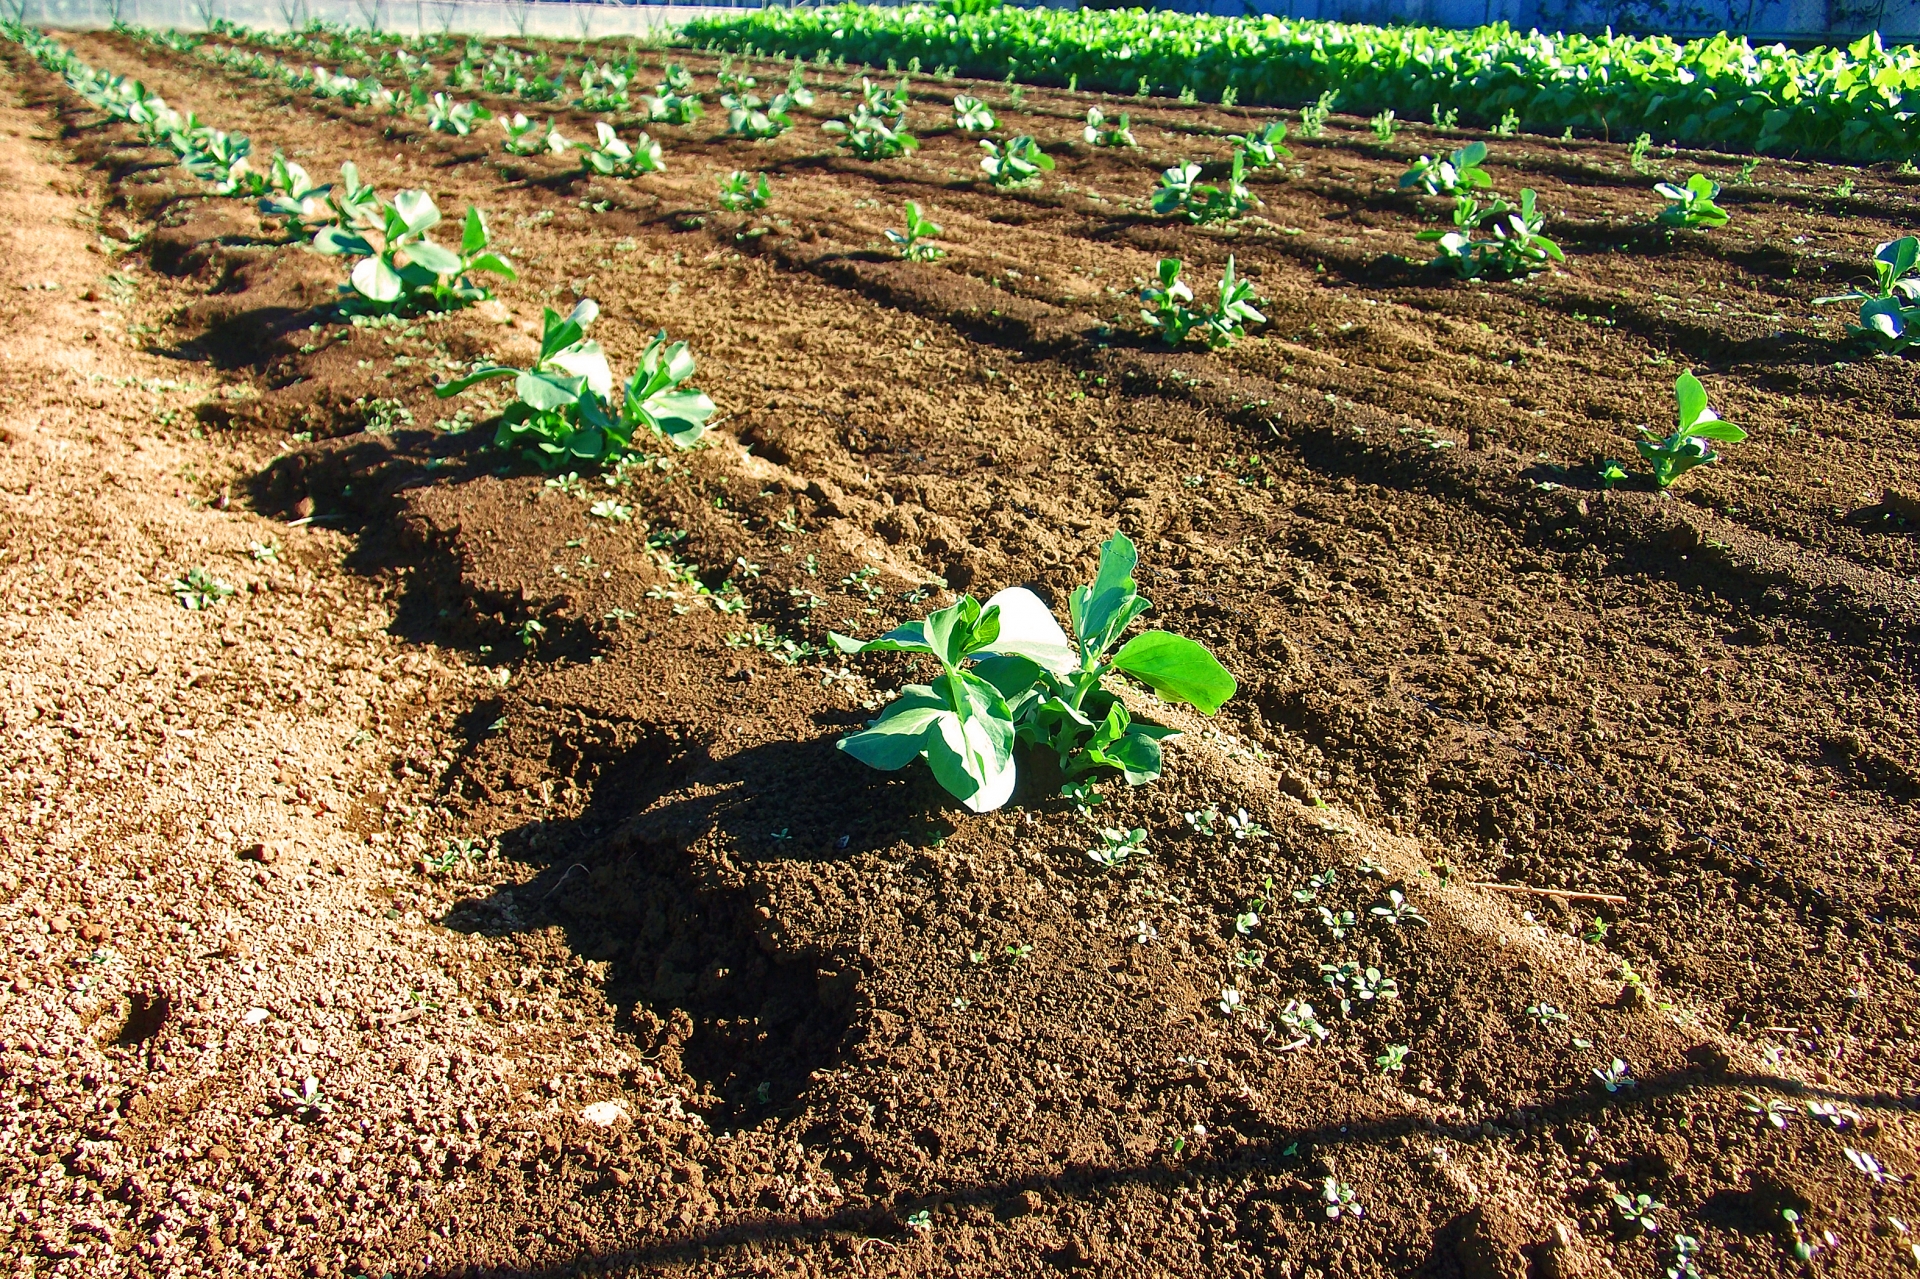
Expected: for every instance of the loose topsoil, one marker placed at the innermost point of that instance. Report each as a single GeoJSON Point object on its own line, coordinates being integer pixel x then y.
{"type": "Point", "coordinates": [477, 889]}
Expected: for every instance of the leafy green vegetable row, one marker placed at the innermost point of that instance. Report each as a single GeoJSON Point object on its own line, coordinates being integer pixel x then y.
{"type": "Point", "coordinates": [1862, 101]}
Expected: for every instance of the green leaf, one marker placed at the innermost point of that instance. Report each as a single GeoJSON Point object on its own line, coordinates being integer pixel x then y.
{"type": "Point", "coordinates": [473, 237]}
{"type": "Point", "coordinates": [374, 280]}
{"type": "Point", "coordinates": [910, 638]}
{"type": "Point", "coordinates": [1726, 432]}
{"type": "Point", "coordinates": [417, 212]}
{"type": "Point", "coordinates": [1692, 399]}
{"type": "Point", "coordinates": [334, 241]}
{"type": "Point", "coordinates": [440, 261]}
{"type": "Point", "coordinates": [460, 384]}
{"type": "Point", "coordinates": [1177, 669]}
{"type": "Point", "coordinates": [494, 264]}
{"type": "Point", "coordinates": [548, 390]}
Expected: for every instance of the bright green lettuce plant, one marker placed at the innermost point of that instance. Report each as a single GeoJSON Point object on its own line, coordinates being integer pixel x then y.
{"type": "Point", "coordinates": [565, 412]}
{"type": "Point", "coordinates": [1101, 132]}
{"type": "Point", "coordinates": [971, 115]}
{"type": "Point", "coordinates": [1015, 164]}
{"type": "Point", "coordinates": [1890, 314]}
{"type": "Point", "coordinates": [916, 241]}
{"type": "Point", "coordinates": [1009, 673]}
{"type": "Point", "coordinates": [1691, 443]}
{"type": "Point", "coordinates": [1691, 205]}
{"type": "Point", "coordinates": [1452, 174]}
{"type": "Point", "coordinates": [401, 271]}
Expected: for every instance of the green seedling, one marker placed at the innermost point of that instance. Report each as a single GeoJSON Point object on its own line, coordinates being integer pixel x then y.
{"type": "Point", "coordinates": [1181, 192]}
{"type": "Point", "coordinates": [1612, 471]}
{"type": "Point", "coordinates": [1202, 820]}
{"type": "Point", "coordinates": [1455, 174]}
{"type": "Point", "coordinates": [613, 156]}
{"type": "Point", "coordinates": [1890, 313]}
{"type": "Point", "coordinates": [971, 115]}
{"type": "Point", "coordinates": [1383, 126]}
{"type": "Point", "coordinates": [1638, 1210]}
{"type": "Point", "coordinates": [1637, 156]}
{"type": "Point", "coordinates": [1353, 984]}
{"type": "Point", "coordinates": [1691, 205]}
{"type": "Point", "coordinates": [524, 137]}
{"type": "Point", "coordinates": [882, 100]}
{"type": "Point", "coordinates": [1299, 1020]}
{"type": "Point", "coordinates": [749, 117]}
{"type": "Point", "coordinates": [1686, 1250]}
{"type": "Point", "coordinates": [1313, 119]}
{"type": "Point", "coordinates": [1692, 441]}
{"type": "Point", "coordinates": [1545, 1014]}
{"type": "Point", "coordinates": [1116, 846]}
{"type": "Point", "coordinates": [1263, 146]}
{"type": "Point", "coordinates": [1100, 132]}
{"type": "Point", "coordinates": [1084, 796]}
{"type": "Point", "coordinates": [1394, 1060]}
{"type": "Point", "coordinates": [1614, 1076]}
{"type": "Point", "coordinates": [916, 242]}
{"type": "Point", "coordinates": [565, 413]}
{"type": "Point", "coordinates": [673, 100]}
{"type": "Point", "coordinates": [200, 590]}
{"type": "Point", "coordinates": [1339, 1201]}
{"type": "Point", "coordinates": [1509, 123]}
{"type": "Point", "coordinates": [295, 197]}
{"type": "Point", "coordinates": [1516, 246]}
{"type": "Point", "coordinates": [1009, 672]}
{"type": "Point", "coordinates": [1775, 1111]}
{"type": "Point", "coordinates": [1397, 910]}
{"type": "Point", "coordinates": [401, 271]}
{"type": "Point", "coordinates": [220, 160]}
{"type": "Point", "coordinates": [1338, 923]}
{"type": "Point", "coordinates": [1017, 163]}
{"type": "Point", "coordinates": [1242, 826]}
{"type": "Point", "coordinates": [1169, 316]}
{"type": "Point", "coordinates": [444, 115]}
{"type": "Point", "coordinates": [604, 88]}
{"type": "Point", "coordinates": [739, 192]}
{"type": "Point", "coordinates": [872, 135]}
{"type": "Point", "coordinates": [1230, 1000]}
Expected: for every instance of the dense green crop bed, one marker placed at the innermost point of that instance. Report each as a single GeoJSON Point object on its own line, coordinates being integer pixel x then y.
{"type": "Point", "coordinates": [1859, 102]}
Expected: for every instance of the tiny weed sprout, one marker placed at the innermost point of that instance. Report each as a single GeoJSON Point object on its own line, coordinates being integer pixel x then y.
{"type": "Point", "coordinates": [1009, 672]}
{"type": "Point", "coordinates": [1262, 146]}
{"type": "Point", "coordinates": [1338, 1199]}
{"type": "Point", "coordinates": [970, 115]}
{"type": "Point", "coordinates": [739, 192]}
{"type": "Point", "coordinates": [1638, 1210]}
{"type": "Point", "coordinates": [915, 243]}
{"type": "Point", "coordinates": [1394, 1059]}
{"type": "Point", "coordinates": [1017, 163]}
{"type": "Point", "coordinates": [1241, 826]}
{"type": "Point", "coordinates": [1182, 192]}
{"type": "Point", "coordinates": [1397, 910]}
{"type": "Point", "coordinates": [1613, 1077]}
{"type": "Point", "coordinates": [1298, 1018]}
{"type": "Point", "coordinates": [1771, 1110]}
{"type": "Point", "coordinates": [1383, 126]}
{"type": "Point", "coordinates": [1889, 314]}
{"type": "Point", "coordinates": [1116, 846]}
{"type": "Point", "coordinates": [1545, 1014]}
{"type": "Point", "coordinates": [524, 137]}
{"type": "Point", "coordinates": [1869, 1167]}
{"type": "Point", "coordinates": [1230, 1000]}
{"type": "Point", "coordinates": [1692, 441]}
{"type": "Point", "coordinates": [1801, 1247]}
{"type": "Point", "coordinates": [1313, 119]}
{"type": "Point", "coordinates": [1084, 796]}
{"type": "Point", "coordinates": [613, 156]}
{"type": "Point", "coordinates": [1691, 205]}
{"type": "Point", "coordinates": [1338, 923]}
{"type": "Point", "coordinates": [1353, 984]}
{"type": "Point", "coordinates": [1174, 321]}
{"type": "Point", "coordinates": [1202, 820]}
{"type": "Point", "coordinates": [1101, 132]}
{"type": "Point", "coordinates": [199, 590]}
{"type": "Point", "coordinates": [1456, 174]}
{"type": "Point", "coordinates": [1683, 1266]}
{"type": "Point", "coordinates": [401, 271]}
{"type": "Point", "coordinates": [565, 413]}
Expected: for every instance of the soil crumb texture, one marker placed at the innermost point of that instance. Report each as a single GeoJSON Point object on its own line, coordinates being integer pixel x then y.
{"type": "Point", "coordinates": [416, 863]}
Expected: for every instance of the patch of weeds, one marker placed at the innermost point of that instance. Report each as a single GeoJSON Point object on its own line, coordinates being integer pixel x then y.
{"type": "Point", "coordinates": [200, 589]}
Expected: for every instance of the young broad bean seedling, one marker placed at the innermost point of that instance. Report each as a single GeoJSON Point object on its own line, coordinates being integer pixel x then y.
{"type": "Point", "coordinates": [873, 136]}
{"type": "Point", "coordinates": [1008, 672]}
{"type": "Point", "coordinates": [971, 115]}
{"type": "Point", "coordinates": [1181, 191]}
{"type": "Point", "coordinates": [1017, 163]}
{"type": "Point", "coordinates": [444, 115]}
{"type": "Point", "coordinates": [916, 242]}
{"type": "Point", "coordinates": [1516, 247]}
{"type": "Point", "coordinates": [1100, 132]}
{"type": "Point", "coordinates": [673, 100]}
{"type": "Point", "coordinates": [613, 156]}
{"type": "Point", "coordinates": [739, 192]}
{"type": "Point", "coordinates": [1888, 315]}
{"type": "Point", "coordinates": [1313, 119]}
{"type": "Point", "coordinates": [1692, 441]}
{"type": "Point", "coordinates": [1263, 146]}
{"type": "Point", "coordinates": [1383, 126]}
{"type": "Point", "coordinates": [1457, 173]}
{"type": "Point", "coordinates": [296, 198]}
{"type": "Point", "coordinates": [1169, 316]}
{"type": "Point", "coordinates": [565, 412]}
{"type": "Point", "coordinates": [524, 137]}
{"type": "Point", "coordinates": [1691, 205]}
{"type": "Point", "coordinates": [401, 271]}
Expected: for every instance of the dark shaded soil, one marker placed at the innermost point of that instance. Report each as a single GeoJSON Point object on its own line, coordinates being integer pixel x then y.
{"type": "Point", "coordinates": [918, 1040]}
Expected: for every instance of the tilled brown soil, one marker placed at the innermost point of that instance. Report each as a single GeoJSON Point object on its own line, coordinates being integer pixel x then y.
{"type": "Point", "coordinates": [849, 1028]}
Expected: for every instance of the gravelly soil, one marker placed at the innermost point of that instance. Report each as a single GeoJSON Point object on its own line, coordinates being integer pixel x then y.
{"type": "Point", "coordinates": [846, 1027]}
